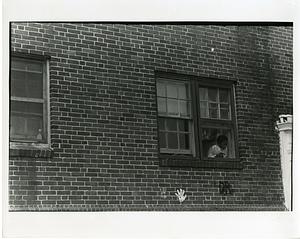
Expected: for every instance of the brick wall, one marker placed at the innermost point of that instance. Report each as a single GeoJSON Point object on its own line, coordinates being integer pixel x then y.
{"type": "Point", "coordinates": [103, 116]}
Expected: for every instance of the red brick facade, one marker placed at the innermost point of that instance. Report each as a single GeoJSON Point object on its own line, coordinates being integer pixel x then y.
{"type": "Point", "coordinates": [103, 116]}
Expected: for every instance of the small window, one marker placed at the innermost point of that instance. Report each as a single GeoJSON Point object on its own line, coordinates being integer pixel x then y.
{"type": "Point", "coordinates": [28, 100]}
{"type": "Point", "coordinates": [175, 117]}
{"type": "Point", "coordinates": [215, 122]}
{"type": "Point", "coordinates": [196, 117]}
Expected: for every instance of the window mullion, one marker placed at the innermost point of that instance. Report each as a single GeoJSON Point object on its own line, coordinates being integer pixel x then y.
{"type": "Point", "coordinates": [196, 116]}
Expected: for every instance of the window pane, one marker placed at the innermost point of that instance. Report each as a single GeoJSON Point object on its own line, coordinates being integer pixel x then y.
{"type": "Point", "coordinates": [213, 106]}
{"type": "Point", "coordinates": [34, 66]}
{"type": "Point", "coordinates": [162, 140]}
{"type": "Point", "coordinates": [183, 92]}
{"type": "Point", "coordinates": [26, 127]}
{"type": "Point", "coordinates": [162, 105]}
{"type": "Point", "coordinates": [17, 128]}
{"type": "Point", "coordinates": [27, 107]}
{"type": "Point", "coordinates": [171, 124]}
{"type": "Point", "coordinates": [224, 96]}
{"type": "Point", "coordinates": [172, 141]}
{"type": "Point", "coordinates": [34, 127]}
{"type": "Point", "coordinates": [35, 85]}
{"type": "Point", "coordinates": [161, 90]}
{"type": "Point", "coordinates": [26, 84]}
{"type": "Point", "coordinates": [173, 107]}
{"type": "Point", "coordinates": [17, 64]}
{"type": "Point", "coordinates": [161, 124]}
{"type": "Point", "coordinates": [204, 109]}
{"type": "Point", "coordinates": [212, 94]}
{"type": "Point", "coordinates": [184, 141]}
{"type": "Point", "coordinates": [184, 108]}
{"type": "Point", "coordinates": [224, 114]}
{"type": "Point", "coordinates": [183, 125]}
{"type": "Point", "coordinates": [213, 113]}
{"type": "Point", "coordinates": [203, 93]}
{"type": "Point", "coordinates": [172, 91]}
{"type": "Point", "coordinates": [217, 142]}
{"type": "Point", "coordinates": [18, 84]}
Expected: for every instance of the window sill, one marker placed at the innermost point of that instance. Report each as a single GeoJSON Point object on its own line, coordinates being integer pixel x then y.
{"type": "Point", "coordinates": [31, 150]}
{"type": "Point", "coordinates": [192, 162]}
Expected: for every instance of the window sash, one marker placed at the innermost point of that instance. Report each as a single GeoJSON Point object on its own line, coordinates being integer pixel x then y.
{"type": "Point", "coordinates": [178, 133]}
{"type": "Point", "coordinates": [44, 101]}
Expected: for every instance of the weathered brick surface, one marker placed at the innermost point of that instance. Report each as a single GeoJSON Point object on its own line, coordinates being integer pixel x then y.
{"type": "Point", "coordinates": [104, 122]}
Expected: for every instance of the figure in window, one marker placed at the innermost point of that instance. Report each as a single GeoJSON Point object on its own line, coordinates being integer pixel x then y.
{"type": "Point", "coordinates": [219, 150]}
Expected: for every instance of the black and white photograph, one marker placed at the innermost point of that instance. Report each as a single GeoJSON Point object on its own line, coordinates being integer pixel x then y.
{"type": "Point", "coordinates": [112, 117]}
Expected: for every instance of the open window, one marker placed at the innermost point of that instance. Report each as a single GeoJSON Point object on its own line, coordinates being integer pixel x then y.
{"type": "Point", "coordinates": [196, 119]}
{"type": "Point", "coordinates": [28, 100]}
{"type": "Point", "coordinates": [216, 122]}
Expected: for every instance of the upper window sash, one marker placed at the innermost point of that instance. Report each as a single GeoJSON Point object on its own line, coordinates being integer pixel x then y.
{"type": "Point", "coordinates": [174, 99]}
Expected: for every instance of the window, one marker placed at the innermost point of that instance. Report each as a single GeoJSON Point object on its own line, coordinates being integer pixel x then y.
{"type": "Point", "coordinates": [28, 100]}
{"type": "Point", "coordinates": [175, 118]}
{"type": "Point", "coordinates": [196, 118]}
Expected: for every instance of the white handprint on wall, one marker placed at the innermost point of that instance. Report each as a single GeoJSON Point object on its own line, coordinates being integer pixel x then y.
{"type": "Point", "coordinates": [180, 195]}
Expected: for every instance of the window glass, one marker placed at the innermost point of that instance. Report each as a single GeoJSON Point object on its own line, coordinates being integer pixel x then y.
{"type": "Point", "coordinates": [34, 85]}
{"type": "Point", "coordinates": [26, 107]}
{"type": "Point", "coordinates": [172, 107]}
{"type": "Point", "coordinates": [162, 105]}
{"type": "Point", "coordinates": [27, 127]}
{"type": "Point", "coordinates": [224, 98]}
{"type": "Point", "coordinates": [184, 141]}
{"type": "Point", "coordinates": [183, 125]}
{"type": "Point", "coordinates": [171, 124]}
{"type": "Point", "coordinates": [174, 111]}
{"type": "Point", "coordinates": [212, 94]}
{"type": "Point", "coordinates": [28, 103]}
{"type": "Point", "coordinates": [184, 108]}
{"type": "Point", "coordinates": [172, 91]}
{"type": "Point", "coordinates": [18, 84]}
{"type": "Point", "coordinates": [35, 66]}
{"type": "Point", "coordinates": [17, 64]}
{"type": "Point", "coordinates": [161, 123]}
{"type": "Point", "coordinates": [183, 91]}
{"type": "Point", "coordinates": [162, 140]}
{"type": "Point", "coordinates": [203, 94]}
{"type": "Point", "coordinates": [161, 90]}
{"type": "Point", "coordinates": [214, 103]}
{"type": "Point", "coordinates": [172, 141]}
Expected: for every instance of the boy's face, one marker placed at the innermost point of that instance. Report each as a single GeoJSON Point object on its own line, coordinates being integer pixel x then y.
{"type": "Point", "coordinates": [223, 144]}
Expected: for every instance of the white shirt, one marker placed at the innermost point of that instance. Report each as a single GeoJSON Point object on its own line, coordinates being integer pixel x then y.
{"type": "Point", "coordinates": [215, 150]}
